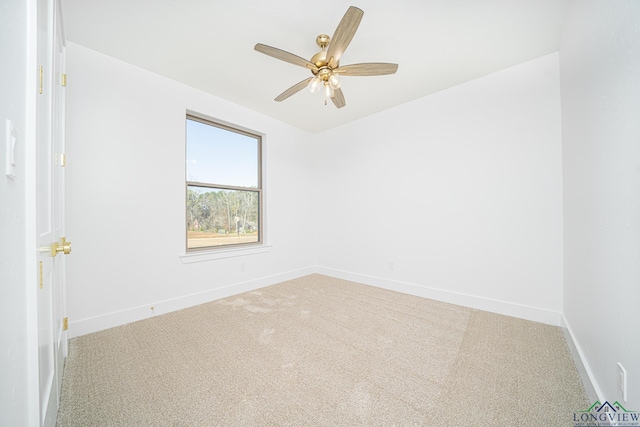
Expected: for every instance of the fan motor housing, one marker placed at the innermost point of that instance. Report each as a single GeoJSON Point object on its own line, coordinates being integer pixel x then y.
{"type": "Point", "coordinates": [320, 58]}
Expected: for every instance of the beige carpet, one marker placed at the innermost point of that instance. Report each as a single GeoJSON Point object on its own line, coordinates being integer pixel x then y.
{"type": "Point", "coordinates": [321, 351]}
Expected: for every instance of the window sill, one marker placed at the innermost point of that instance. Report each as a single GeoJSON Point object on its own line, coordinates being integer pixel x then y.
{"type": "Point", "coordinates": [212, 255]}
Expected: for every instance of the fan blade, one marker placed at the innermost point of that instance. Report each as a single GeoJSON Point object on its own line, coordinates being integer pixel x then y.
{"type": "Point", "coordinates": [293, 89]}
{"type": "Point", "coordinates": [283, 55]}
{"type": "Point", "coordinates": [338, 98]}
{"type": "Point", "coordinates": [367, 69]}
{"type": "Point", "coordinates": [344, 33]}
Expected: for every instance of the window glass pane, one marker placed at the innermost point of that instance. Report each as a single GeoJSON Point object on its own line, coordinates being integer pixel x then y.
{"type": "Point", "coordinates": [221, 217]}
{"type": "Point", "coordinates": [219, 156]}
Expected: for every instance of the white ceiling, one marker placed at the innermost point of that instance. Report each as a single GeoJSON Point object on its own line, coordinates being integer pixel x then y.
{"type": "Point", "coordinates": [208, 44]}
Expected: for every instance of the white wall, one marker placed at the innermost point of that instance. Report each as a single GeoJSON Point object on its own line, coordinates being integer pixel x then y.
{"type": "Point", "coordinates": [126, 196]}
{"type": "Point", "coordinates": [18, 334]}
{"type": "Point", "coordinates": [600, 65]}
{"type": "Point", "coordinates": [460, 190]}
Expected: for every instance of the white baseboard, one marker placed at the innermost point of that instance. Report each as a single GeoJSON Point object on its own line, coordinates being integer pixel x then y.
{"type": "Point", "coordinates": [110, 320]}
{"type": "Point", "coordinates": [520, 311]}
{"type": "Point", "coordinates": [586, 374]}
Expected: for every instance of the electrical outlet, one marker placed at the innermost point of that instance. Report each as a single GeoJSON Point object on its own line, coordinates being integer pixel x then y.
{"type": "Point", "coordinates": [243, 266]}
{"type": "Point", "coordinates": [392, 265]}
{"type": "Point", "coordinates": [622, 381]}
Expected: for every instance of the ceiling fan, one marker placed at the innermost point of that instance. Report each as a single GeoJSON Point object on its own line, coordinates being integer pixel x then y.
{"type": "Point", "coordinates": [325, 65]}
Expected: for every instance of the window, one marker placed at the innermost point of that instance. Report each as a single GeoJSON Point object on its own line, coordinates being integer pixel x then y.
{"type": "Point", "coordinates": [224, 185]}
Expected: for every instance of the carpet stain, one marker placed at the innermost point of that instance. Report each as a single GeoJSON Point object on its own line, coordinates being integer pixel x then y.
{"type": "Point", "coordinates": [238, 302]}
{"type": "Point", "coordinates": [266, 336]}
{"type": "Point", "coordinates": [385, 340]}
{"type": "Point", "coordinates": [361, 400]}
{"type": "Point", "coordinates": [256, 309]}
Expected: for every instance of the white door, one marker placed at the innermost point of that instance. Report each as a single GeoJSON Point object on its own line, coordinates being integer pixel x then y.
{"type": "Point", "coordinates": [50, 209]}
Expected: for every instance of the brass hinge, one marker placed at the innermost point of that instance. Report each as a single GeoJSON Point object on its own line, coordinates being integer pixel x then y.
{"type": "Point", "coordinates": [63, 159]}
{"type": "Point", "coordinates": [41, 280]}
{"type": "Point", "coordinates": [41, 78]}
{"type": "Point", "coordinates": [64, 79]}
{"type": "Point", "coordinates": [65, 323]}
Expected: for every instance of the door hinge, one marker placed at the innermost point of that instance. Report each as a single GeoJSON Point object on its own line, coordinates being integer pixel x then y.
{"type": "Point", "coordinates": [64, 79]}
{"type": "Point", "coordinates": [65, 323]}
{"type": "Point", "coordinates": [41, 78]}
{"type": "Point", "coordinates": [63, 159]}
{"type": "Point", "coordinates": [41, 280]}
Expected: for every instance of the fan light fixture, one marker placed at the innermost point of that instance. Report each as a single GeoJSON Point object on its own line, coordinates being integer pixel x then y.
{"type": "Point", "coordinates": [325, 65]}
{"type": "Point", "coordinates": [325, 77]}
{"type": "Point", "coordinates": [330, 84]}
